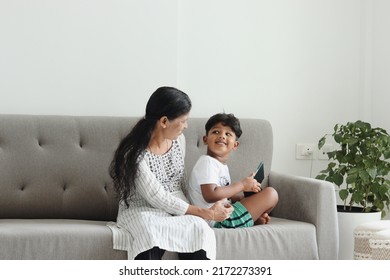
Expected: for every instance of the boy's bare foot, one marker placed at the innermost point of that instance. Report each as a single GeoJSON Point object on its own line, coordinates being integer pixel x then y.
{"type": "Point", "coordinates": [264, 219]}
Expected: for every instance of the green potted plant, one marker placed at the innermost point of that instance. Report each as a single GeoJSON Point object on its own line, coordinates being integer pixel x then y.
{"type": "Point", "coordinates": [359, 167]}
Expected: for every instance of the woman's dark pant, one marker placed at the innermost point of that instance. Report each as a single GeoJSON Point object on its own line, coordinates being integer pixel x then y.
{"type": "Point", "coordinates": [156, 254]}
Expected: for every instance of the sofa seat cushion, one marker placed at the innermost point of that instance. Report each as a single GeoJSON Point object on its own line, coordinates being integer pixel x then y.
{"type": "Point", "coordinates": [80, 239]}
{"type": "Point", "coordinates": [51, 239]}
{"type": "Point", "coordinates": [281, 239]}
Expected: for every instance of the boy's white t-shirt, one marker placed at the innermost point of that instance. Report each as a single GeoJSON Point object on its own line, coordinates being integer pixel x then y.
{"type": "Point", "coordinates": [207, 170]}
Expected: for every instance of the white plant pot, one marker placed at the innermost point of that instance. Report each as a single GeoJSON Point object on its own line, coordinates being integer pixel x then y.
{"type": "Point", "coordinates": [348, 221]}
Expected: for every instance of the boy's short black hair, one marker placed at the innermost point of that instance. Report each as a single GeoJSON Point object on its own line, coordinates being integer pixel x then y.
{"type": "Point", "coordinates": [226, 119]}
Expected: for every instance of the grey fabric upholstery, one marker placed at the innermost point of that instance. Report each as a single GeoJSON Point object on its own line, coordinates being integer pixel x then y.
{"type": "Point", "coordinates": [53, 239]}
{"type": "Point", "coordinates": [280, 240]}
{"type": "Point", "coordinates": [56, 194]}
{"type": "Point", "coordinates": [310, 201]}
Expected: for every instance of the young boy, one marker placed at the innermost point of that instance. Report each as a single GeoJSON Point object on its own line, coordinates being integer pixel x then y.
{"type": "Point", "coordinates": [210, 179]}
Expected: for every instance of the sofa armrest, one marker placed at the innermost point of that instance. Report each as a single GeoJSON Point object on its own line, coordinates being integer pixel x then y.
{"type": "Point", "coordinates": [312, 201]}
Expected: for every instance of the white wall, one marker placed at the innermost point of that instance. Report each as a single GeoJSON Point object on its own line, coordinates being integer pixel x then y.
{"type": "Point", "coordinates": [381, 63]}
{"type": "Point", "coordinates": [303, 64]}
{"type": "Point", "coordinates": [380, 66]}
{"type": "Point", "coordinates": [90, 57]}
{"type": "Point", "coordinates": [296, 63]}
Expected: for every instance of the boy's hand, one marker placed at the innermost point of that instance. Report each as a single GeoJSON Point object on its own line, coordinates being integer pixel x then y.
{"type": "Point", "coordinates": [251, 184]}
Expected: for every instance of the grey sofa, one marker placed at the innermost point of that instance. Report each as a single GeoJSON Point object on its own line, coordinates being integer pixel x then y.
{"type": "Point", "coordinates": [56, 195]}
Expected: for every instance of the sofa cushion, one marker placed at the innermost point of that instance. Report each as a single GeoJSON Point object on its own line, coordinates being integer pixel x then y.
{"type": "Point", "coordinates": [81, 239]}
{"type": "Point", "coordinates": [56, 239]}
{"type": "Point", "coordinates": [56, 167]}
{"type": "Point", "coordinates": [281, 239]}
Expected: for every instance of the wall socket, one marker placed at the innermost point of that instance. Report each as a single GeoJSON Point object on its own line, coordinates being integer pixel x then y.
{"type": "Point", "coordinates": [305, 151]}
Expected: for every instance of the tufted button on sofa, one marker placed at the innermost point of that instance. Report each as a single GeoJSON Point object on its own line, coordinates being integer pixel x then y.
{"type": "Point", "coordinates": [56, 195]}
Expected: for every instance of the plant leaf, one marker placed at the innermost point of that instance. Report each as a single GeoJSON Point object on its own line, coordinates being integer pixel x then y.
{"type": "Point", "coordinates": [321, 142]}
{"type": "Point", "coordinates": [372, 172]}
{"type": "Point", "coordinates": [343, 194]}
{"type": "Point", "coordinates": [351, 179]}
{"type": "Point", "coordinates": [338, 179]}
{"type": "Point", "coordinates": [321, 176]}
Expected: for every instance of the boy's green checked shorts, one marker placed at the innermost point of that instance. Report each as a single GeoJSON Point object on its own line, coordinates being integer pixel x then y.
{"type": "Point", "coordinates": [240, 217]}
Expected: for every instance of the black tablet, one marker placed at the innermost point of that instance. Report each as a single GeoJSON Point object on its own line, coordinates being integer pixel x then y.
{"type": "Point", "coordinates": [259, 176]}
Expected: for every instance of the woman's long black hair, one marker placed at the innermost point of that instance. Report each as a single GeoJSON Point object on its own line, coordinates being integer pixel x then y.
{"type": "Point", "coordinates": [165, 101]}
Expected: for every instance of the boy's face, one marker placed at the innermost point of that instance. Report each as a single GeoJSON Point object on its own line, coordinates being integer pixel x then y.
{"type": "Point", "coordinates": [221, 140]}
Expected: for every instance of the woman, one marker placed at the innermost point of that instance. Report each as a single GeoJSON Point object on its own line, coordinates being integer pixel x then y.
{"type": "Point", "coordinates": [148, 172]}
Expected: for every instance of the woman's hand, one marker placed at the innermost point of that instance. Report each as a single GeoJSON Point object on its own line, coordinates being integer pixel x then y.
{"type": "Point", "coordinates": [220, 211]}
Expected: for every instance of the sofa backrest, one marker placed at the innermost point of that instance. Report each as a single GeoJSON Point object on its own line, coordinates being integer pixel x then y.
{"type": "Point", "coordinates": [56, 167]}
